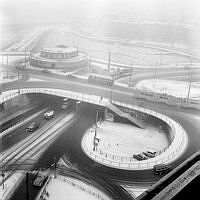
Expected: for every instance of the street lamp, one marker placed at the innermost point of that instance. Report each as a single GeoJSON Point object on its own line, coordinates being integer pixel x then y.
{"type": "Point", "coordinates": [18, 78]}
{"type": "Point", "coordinates": [112, 84]}
{"type": "Point", "coordinates": [109, 57]}
{"type": "Point", "coordinates": [7, 65]}
{"type": "Point", "coordinates": [130, 77]}
{"type": "Point", "coordinates": [190, 82]}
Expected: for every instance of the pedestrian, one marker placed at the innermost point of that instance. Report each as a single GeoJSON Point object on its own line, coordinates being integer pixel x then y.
{"type": "Point", "coordinates": [47, 194]}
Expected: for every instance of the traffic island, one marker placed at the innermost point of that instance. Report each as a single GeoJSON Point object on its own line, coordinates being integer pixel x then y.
{"type": "Point", "coordinates": [115, 145]}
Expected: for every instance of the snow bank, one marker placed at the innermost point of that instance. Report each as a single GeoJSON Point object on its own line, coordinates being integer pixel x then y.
{"type": "Point", "coordinates": [63, 188]}
{"type": "Point", "coordinates": [169, 87]}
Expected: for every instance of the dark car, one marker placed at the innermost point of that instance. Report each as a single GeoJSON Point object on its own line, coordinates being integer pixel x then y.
{"type": "Point", "coordinates": [42, 176]}
{"type": "Point", "coordinates": [140, 157]}
{"type": "Point", "coordinates": [45, 71]}
{"type": "Point", "coordinates": [32, 127]}
{"type": "Point", "coordinates": [161, 169]}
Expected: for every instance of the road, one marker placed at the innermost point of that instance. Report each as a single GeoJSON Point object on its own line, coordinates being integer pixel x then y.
{"type": "Point", "coordinates": [69, 142]}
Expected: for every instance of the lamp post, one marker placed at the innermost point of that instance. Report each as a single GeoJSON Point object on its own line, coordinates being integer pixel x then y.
{"type": "Point", "coordinates": [7, 66]}
{"type": "Point", "coordinates": [155, 72]}
{"type": "Point", "coordinates": [18, 78]}
{"type": "Point", "coordinates": [27, 185]}
{"type": "Point", "coordinates": [25, 56]}
{"type": "Point", "coordinates": [109, 57]}
{"type": "Point", "coordinates": [130, 77]}
{"type": "Point", "coordinates": [190, 82]}
{"type": "Point", "coordinates": [112, 83]}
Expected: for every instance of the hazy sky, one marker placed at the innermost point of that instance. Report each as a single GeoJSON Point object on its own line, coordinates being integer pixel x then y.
{"type": "Point", "coordinates": [39, 10]}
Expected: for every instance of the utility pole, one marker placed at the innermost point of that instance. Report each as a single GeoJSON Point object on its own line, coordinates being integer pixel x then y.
{"type": "Point", "coordinates": [190, 82]}
{"type": "Point", "coordinates": [156, 66]}
{"type": "Point", "coordinates": [18, 80]}
{"type": "Point", "coordinates": [95, 131]}
{"type": "Point", "coordinates": [27, 185]}
{"type": "Point", "coordinates": [7, 65]}
{"type": "Point", "coordinates": [90, 67]}
{"type": "Point", "coordinates": [55, 166]}
{"type": "Point", "coordinates": [25, 56]}
{"type": "Point", "coordinates": [109, 57]}
{"type": "Point", "coordinates": [2, 56]}
{"type": "Point", "coordinates": [111, 96]}
{"type": "Point", "coordinates": [130, 77]}
{"type": "Point", "coordinates": [97, 116]}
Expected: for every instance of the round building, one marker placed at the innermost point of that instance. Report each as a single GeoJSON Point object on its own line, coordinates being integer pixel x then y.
{"type": "Point", "coordinates": [59, 57]}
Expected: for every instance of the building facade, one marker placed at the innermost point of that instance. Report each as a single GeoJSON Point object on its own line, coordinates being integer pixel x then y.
{"type": "Point", "coordinates": [60, 57]}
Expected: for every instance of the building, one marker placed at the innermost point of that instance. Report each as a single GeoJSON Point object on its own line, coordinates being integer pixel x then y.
{"type": "Point", "coordinates": [59, 57]}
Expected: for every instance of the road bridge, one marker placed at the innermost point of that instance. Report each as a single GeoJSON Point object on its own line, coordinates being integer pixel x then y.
{"type": "Point", "coordinates": [14, 53]}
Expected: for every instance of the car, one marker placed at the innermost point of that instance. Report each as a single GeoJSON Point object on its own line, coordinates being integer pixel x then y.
{"type": "Point", "coordinates": [140, 156]}
{"type": "Point", "coordinates": [161, 169]}
{"type": "Point", "coordinates": [42, 175]}
{"type": "Point", "coordinates": [49, 114]}
{"type": "Point", "coordinates": [150, 153]}
{"type": "Point", "coordinates": [33, 126]}
{"type": "Point", "coordinates": [45, 71]}
{"type": "Point", "coordinates": [64, 106]}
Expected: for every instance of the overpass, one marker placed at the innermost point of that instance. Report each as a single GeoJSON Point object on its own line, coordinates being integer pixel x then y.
{"type": "Point", "coordinates": [14, 53]}
{"type": "Point", "coordinates": [175, 149]}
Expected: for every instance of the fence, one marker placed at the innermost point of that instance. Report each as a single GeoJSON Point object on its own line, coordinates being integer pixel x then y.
{"type": "Point", "coordinates": [167, 99]}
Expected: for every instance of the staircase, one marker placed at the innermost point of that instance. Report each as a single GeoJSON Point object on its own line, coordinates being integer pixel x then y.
{"type": "Point", "coordinates": [116, 110]}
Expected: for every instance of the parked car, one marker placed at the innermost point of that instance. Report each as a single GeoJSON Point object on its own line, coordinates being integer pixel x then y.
{"type": "Point", "coordinates": [140, 156]}
{"type": "Point", "coordinates": [49, 114]}
{"type": "Point", "coordinates": [45, 71]}
{"type": "Point", "coordinates": [150, 153]}
{"type": "Point", "coordinates": [161, 169]}
{"type": "Point", "coordinates": [33, 126]}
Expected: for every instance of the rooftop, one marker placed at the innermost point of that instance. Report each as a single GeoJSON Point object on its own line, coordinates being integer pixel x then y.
{"type": "Point", "coordinates": [59, 49]}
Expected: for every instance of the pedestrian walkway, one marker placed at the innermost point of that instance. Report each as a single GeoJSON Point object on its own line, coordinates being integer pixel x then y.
{"type": "Point", "coordinates": [126, 115]}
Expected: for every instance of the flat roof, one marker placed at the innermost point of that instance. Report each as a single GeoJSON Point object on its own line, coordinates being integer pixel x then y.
{"type": "Point", "coordinates": [59, 50]}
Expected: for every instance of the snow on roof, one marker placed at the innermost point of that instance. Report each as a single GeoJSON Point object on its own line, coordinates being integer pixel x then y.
{"type": "Point", "coordinates": [59, 50]}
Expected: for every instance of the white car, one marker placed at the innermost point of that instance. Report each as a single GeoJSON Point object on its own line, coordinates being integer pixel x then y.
{"type": "Point", "coordinates": [49, 114]}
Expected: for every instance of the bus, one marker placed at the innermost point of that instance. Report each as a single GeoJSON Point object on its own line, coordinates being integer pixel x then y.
{"type": "Point", "coordinates": [101, 79]}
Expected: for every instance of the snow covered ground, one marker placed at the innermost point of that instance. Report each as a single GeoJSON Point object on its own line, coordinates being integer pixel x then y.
{"type": "Point", "coordinates": [125, 140]}
{"type": "Point", "coordinates": [63, 188]}
{"type": "Point", "coordinates": [170, 87]}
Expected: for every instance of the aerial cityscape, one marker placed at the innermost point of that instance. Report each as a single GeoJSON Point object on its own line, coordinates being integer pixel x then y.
{"type": "Point", "coordinates": [99, 99]}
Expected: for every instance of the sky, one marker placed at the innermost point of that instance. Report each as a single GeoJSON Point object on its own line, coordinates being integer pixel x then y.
{"type": "Point", "coordinates": [39, 10]}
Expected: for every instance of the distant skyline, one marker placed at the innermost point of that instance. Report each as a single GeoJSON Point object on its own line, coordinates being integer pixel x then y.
{"type": "Point", "coordinates": [53, 10]}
